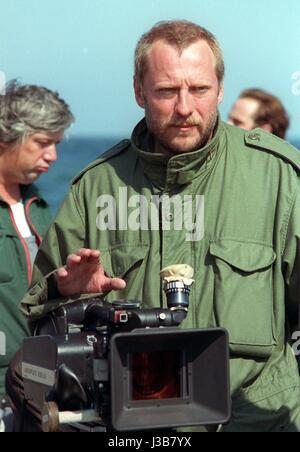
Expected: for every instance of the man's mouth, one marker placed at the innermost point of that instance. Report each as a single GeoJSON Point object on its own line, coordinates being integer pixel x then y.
{"type": "Point", "coordinates": [184, 127]}
{"type": "Point", "coordinates": [188, 124]}
{"type": "Point", "coordinates": [43, 169]}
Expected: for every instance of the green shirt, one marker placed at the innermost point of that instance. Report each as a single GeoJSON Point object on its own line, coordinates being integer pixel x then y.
{"type": "Point", "coordinates": [245, 252]}
{"type": "Point", "coordinates": [16, 272]}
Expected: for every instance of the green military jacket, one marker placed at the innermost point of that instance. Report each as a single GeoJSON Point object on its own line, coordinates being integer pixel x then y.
{"type": "Point", "coordinates": [243, 245]}
{"type": "Point", "coordinates": [16, 273]}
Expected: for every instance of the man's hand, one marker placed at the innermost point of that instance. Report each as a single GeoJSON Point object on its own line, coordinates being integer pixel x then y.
{"type": "Point", "coordinates": [85, 274]}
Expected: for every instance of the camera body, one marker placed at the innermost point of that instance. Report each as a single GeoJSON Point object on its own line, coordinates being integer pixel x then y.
{"type": "Point", "coordinates": [132, 368]}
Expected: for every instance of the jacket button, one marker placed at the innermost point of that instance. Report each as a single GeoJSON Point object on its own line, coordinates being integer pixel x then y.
{"type": "Point", "coordinates": [254, 136]}
{"type": "Point", "coordinates": [169, 216]}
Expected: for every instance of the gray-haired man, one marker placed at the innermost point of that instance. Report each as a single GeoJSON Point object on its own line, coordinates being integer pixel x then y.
{"type": "Point", "coordinates": [32, 122]}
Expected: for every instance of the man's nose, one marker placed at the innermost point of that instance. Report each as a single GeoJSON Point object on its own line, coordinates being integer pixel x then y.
{"type": "Point", "coordinates": [184, 106]}
{"type": "Point", "coordinates": [51, 154]}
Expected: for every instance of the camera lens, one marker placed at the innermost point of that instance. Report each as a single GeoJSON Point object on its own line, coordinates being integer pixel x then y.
{"type": "Point", "coordinates": [177, 294]}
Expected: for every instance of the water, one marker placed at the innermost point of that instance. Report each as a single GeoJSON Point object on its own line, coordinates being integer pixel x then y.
{"type": "Point", "coordinates": [296, 144]}
{"type": "Point", "coordinates": [73, 156]}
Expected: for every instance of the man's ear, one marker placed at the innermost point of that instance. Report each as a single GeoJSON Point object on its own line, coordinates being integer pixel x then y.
{"type": "Point", "coordinates": [3, 146]}
{"type": "Point", "coordinates": [221, 94]}
{"type": "Point", "coordinates": [138, 91]}
{"type": "Point", "coordinates": [267, 127]}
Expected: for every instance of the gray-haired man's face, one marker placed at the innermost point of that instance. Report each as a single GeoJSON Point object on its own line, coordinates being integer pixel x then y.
{"type": "Point", "coordinates": [28, 160]}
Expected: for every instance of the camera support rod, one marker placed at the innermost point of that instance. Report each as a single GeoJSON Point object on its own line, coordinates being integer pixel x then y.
{"type": "Point", "coordinates": [52, 418]}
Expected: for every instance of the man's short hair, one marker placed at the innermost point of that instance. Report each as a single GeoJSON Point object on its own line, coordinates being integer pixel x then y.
{"type": "Point", "coordinates": [180, 34]}
{"type": "Point", "coordinates": [28, 109]}
{"type": "Point", "coordinates": [270, 110]}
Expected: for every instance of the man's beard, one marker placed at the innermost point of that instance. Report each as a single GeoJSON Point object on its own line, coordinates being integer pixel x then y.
{"type": "Point", "coordinates": [166, 146]}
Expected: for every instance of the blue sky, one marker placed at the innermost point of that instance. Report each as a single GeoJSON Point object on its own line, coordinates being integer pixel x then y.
{"type": "Point", "coordinates": [84, 49]}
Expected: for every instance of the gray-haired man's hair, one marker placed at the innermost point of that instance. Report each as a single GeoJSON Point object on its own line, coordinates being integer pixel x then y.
{"type": "Point", "coordinates": [28, 109]}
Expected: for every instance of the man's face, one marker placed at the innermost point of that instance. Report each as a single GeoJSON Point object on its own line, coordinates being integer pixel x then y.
{"type": "Point", "coordinates": [243, 113]}
{"type": "Point", "coordinates": [26, 161]}
{"type": "Point", "coordinates": [180, 95]}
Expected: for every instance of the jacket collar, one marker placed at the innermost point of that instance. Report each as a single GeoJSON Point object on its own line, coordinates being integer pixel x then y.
{"type": "Point", "coordinates": [169, 171]}
{"type": "Point", "coordinates": [28, 192]}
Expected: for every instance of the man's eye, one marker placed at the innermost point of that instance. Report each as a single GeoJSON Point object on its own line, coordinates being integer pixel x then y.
{"type": "Point", "coordinates": [199, 90]}
{"type": "Point", "coordinates": [43, 143]}
{"type": "Point", "coordinates": [167, 92]}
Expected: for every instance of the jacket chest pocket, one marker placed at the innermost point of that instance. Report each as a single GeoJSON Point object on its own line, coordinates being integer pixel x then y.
{"type": "Point", "coordinates": [126, 262]}
{"type": "Point", "coordinates": [243, 295]}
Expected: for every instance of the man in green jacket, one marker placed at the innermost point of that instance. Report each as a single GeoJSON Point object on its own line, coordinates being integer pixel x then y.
{"type": "Point", "coordinates": [32, 122]}
{"type": "Point", "coordinates": [230, 210]}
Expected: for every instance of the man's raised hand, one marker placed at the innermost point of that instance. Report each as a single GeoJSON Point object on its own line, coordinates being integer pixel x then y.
{"type": "Point", "coordinates": [84, 274]}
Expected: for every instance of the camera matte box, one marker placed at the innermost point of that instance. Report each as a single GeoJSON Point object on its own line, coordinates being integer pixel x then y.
{"type": "Point", "coordinates": [204, 397]}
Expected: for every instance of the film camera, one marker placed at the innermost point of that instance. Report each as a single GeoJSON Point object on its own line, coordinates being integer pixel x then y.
{"type": "Point", "coordinates": [115, 365]}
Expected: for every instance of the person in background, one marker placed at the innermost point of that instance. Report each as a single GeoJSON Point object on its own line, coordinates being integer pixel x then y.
{"type": "Point", "coordinates": [257, 108]}
{"type": "Point", "coordinates": [32, 123]}
{"type": "Point", "coordinates": [244, 248]}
